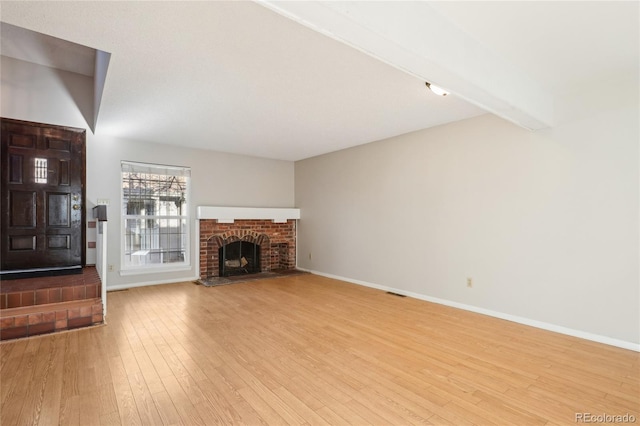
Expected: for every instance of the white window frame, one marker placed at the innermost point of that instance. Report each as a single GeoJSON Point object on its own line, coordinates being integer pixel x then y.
{"type": "Point", "coordinates": [157, 169]}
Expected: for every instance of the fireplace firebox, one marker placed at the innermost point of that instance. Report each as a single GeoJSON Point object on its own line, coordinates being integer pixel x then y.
{"type": "Point", "coordinates": [238, 258]}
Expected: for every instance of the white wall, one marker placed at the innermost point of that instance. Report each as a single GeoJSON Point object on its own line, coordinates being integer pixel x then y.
{"type": "Point", "coordinates": [35, 93]}
{"type": "Point", "coordinates": [545, 223]}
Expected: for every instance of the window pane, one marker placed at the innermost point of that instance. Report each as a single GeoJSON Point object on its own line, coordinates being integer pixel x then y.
{"type": "Point", "coordinates": [163, 242]}
{"type": "Point", "coordinates": [155, 214]}
{"type": "Point", "coordinates": [150, 195]}
{"type": "Point", "coordinates": [41, 170]}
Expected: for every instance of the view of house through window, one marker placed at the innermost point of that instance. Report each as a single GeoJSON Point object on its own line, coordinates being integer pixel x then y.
{"type": "Point", "coordinates": [155, 215]}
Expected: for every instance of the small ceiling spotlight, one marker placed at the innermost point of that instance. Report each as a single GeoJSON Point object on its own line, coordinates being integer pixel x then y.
{"type": "Point", "coordinates": [437, 90]}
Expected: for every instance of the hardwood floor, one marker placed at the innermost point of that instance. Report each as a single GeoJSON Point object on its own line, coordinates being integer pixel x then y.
{"type": "Point", "coordinates": [307, 350]}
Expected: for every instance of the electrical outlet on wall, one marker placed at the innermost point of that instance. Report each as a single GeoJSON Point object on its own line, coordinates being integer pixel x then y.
{"type": "Point", "coordinates": [469, 282]}
{"type": "Point", "coordinates": [110, 268]}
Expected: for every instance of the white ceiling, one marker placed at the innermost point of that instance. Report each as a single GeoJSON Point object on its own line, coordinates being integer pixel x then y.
{"type": "Point", "coordinates": [243, 78]}
{"type": "Point", "coordinates": [565, 45]}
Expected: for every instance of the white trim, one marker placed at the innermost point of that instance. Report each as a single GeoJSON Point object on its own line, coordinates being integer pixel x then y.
{"type": "Point", "coordinates": [155, 270]}
{"type": "Point", "coordinates": [148, 283]}
{"type": "Point", "coordinates": [196, 248]}
{"type": "Point", "coordinates": [229, 214]}
{"type": "Point", "coordinates": [513, 318]}
{"type": "Point", "coordinates": [53, 268]}
{"type": "Point", "coordinates": [102, 264]}
{"type": "Point", "coordinates": [154, 169]}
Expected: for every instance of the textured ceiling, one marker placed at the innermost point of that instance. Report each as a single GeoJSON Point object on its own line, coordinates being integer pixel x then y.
{"type": "Point", "coordinates": [241, 78]}
{"type": "Point", "coordinates": [562, 44]}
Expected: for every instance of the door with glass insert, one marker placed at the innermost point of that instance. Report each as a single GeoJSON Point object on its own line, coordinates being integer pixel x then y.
{"type": "Point", "coordinates": [42, 205]}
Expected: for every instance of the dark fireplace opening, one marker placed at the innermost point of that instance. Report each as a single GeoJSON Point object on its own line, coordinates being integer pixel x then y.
{"type": "Point", "coordinates": [238, 258]}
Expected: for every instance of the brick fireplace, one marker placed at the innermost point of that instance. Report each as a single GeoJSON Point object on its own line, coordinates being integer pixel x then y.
{"type": "Point", "coordinates": [272, 230]}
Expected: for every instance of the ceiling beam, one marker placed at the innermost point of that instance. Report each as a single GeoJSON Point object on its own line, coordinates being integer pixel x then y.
{"type": "Point", "coordinates": [58, 54]}
{"type": "Point", "coordinates": [99, 80]}
{"type": "Point", "coordinates": [414, 37]}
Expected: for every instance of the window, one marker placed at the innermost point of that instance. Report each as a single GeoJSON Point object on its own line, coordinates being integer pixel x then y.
{"type": "Point", "coordinates": [155, 213]}
{"type": "Point", "coordinates": [41, 170]}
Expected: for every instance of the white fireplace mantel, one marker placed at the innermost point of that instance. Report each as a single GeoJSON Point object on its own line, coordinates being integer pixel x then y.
{"type": "Point", "coordinates": [229, 214]}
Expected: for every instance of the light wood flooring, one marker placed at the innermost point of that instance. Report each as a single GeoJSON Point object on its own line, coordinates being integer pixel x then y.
{"type": "Point", "coordinates": [307, 350]}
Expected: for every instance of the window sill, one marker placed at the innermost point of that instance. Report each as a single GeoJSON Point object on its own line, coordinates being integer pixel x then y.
{"type": "Point", "coordinates": [154, 270]}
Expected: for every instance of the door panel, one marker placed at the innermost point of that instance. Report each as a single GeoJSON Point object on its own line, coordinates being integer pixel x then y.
{"type": "Point", "coordinates": [62, 145]}
{"type": "Point", "coordinates": [63, 173]}
{"type": "Point", "coordinates": [59, 242]}
{"type": "Point", "coordinates": [43, 189]}
{"type": "Point", "coordinates": [25, 242]}
{"type": "Point", "coordinates": [58, 210]}
{"type": "Point", "coordinates": [22, 205]}
{"type": "Point", "coordinates": [15, 168]}
{"type": "Point", "coordinates": [22, 140]}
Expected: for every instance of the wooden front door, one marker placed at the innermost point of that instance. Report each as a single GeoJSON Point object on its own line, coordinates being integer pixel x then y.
{"type": "Point", "coordinates": [42, 205]}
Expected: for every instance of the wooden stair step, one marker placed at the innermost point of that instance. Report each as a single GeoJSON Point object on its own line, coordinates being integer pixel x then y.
{"type": "Point", "coordinates": [46, 318]}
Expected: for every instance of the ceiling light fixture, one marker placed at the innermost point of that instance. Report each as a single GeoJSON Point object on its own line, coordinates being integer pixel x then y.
{"type": "Point", "coordinates": [437, 90]}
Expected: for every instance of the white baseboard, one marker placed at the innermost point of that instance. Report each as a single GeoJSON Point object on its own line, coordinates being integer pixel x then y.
{"type": "Point", "coordinates": [513, 318]}
{"type": "Point", "coordinates": [147, 283]}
